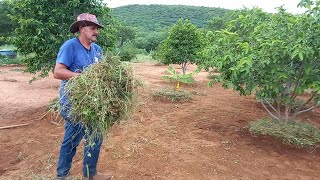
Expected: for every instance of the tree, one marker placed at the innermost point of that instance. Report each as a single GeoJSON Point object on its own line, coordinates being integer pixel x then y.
{"type": "Point", "coordinates": [156, 17]}
{"type": "Point", "coordinates": [44, 26]}
{"type": "Point", "coordinates": [182, 45]}
{"type": "Point", "coordinates": [275, 56]}
{"type": "Point", "coordinates": [150, 41]}
{"type": "Point", "coordinates": [219, 22]}
{"type": "Point", "coordinates": [7, 25]}
{"type": "Point", "coordinates": [126, 33]}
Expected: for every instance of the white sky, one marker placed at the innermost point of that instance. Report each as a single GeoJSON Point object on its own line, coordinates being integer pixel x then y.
{"type": "Point", "coordinates": [266, 5]}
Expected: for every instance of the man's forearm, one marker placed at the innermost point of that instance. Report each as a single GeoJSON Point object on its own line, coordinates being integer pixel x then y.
{"type": "Point", "coordinates": [64, 74]}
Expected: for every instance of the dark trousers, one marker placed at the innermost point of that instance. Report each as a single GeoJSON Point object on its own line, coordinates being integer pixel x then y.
{"type": "Point", "coordinates": [72, 137]}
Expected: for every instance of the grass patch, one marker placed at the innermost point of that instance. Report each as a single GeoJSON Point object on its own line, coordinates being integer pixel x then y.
{"type": "Point", "coordinates": [173, 95]}
{"type": "Point", "coordinates": [143, 58]}
{"type": "Point", "coordinates": [294, 132]}
{"type": "Point", "coordinates": [5, 60]}
{"type": "Point", "coordinates": [18, 69]}
{"type": "Point", "coordinates": [198, 93]}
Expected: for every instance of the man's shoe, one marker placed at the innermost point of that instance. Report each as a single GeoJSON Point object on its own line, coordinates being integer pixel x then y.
{"type": "Point", "coordinates": [62, 178]}
{"type": "Point", "coordinates": [100, 176]}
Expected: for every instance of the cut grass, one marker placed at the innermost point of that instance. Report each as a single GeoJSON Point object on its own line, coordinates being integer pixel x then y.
{"type": "Point", "coordinates": [54, 105]}
{"type": "Point", "coordinates": [102, 95]}
{"type": "Point", "coordinates": [294, 132]}
{"type": "Point", "coordinates": [173, 95]}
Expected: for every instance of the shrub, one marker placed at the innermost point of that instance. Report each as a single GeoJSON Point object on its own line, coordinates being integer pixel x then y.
{"type": "Point", "coordinates": [273, 56]}
{"type": "Point", "coordinates": [127, 52]}
{"type": "Point", "coordinates": [174, 76]}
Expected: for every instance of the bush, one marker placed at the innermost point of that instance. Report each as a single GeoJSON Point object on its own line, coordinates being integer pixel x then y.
{"type": "Point", "coordinates": [293, 132]}
{"type": "Point", "coordinates": [127, 52]}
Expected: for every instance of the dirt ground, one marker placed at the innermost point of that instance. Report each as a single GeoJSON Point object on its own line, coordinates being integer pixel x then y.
{"type": "Point", "coordinates": [203, 139]}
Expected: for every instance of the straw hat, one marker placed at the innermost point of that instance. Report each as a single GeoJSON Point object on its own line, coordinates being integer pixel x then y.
{"type": "Point", "coordinates": [84, 19]}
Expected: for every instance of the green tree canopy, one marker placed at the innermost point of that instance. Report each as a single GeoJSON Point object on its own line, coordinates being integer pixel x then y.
{"type": "Point", "coordinates": [125, 33]}
{"type": "Point", "coordinates": [276, 56]}
{"type": "Point", "coordinates": [182, 45]}
{"type": "Point", "coordinates": [156, 17]}
{"type": "Point", "coordinates": [43, 26]}
{"type": "Point", "coordinates": [150, 41]}
{"type": "Point", "coordinates": [7, 25]}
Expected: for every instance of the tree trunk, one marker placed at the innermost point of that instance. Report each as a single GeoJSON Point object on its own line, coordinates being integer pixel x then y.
{"type": "Point", "coordinates": [184, 67]}
{"type": "Point", "coordinates": [286, 116]}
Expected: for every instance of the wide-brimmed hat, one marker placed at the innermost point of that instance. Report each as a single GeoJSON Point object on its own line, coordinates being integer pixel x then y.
{"type": "Point", "coordinates": [84, 19]}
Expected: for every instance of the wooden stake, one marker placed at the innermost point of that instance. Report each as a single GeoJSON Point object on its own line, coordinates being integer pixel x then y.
{"type": "Point", "coordinates": [13, 126]}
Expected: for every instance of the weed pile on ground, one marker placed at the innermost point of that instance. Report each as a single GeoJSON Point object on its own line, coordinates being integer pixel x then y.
{"type": "Point", "coordinates": [102, 95]}
{"type": "Point", "coordinates": [293, 132]}
{"type": "Point", "coordinates": [173, 95]}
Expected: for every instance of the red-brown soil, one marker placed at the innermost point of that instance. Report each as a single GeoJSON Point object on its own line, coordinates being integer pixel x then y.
{"type": "Point", "coordinates": [203, 139]}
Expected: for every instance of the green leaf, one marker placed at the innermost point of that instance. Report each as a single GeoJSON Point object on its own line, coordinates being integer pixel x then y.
{"type": "Point", "coordinates": [301, 56]}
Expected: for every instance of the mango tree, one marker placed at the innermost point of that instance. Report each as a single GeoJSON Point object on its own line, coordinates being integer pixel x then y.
{"type": "Point", "coordinates": [43, 26]}
{"type": "Point", "coordinates": [274, 56]}
{"type": "Point", "coordinates": [182, 45]}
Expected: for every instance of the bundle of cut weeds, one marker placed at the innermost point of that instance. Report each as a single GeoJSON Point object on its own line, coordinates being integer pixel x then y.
{"type": "Point", "coordinates": [102, 95]}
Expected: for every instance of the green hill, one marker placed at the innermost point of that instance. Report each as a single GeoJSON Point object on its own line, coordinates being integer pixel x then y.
{"type": "Point", "coordinates": [156, 17]}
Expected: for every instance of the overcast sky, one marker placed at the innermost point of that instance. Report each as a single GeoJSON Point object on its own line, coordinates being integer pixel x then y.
{"type": "Point", "coordinates": [267, 5]}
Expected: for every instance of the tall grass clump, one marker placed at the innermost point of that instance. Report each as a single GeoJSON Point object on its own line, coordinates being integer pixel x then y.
{"type": "Point", "coordinates": [102, 95]}
{"type": "Point", "coordinates": [294, 132]}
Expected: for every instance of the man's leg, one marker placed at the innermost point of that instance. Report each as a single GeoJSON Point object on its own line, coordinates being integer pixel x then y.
{"type": "Point", "coordinates": [72, 137]}
{"type": "Point", "coordinates": [90, 157]}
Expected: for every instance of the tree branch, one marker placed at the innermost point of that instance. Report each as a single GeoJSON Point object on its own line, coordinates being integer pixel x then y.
{"type": "Point", "coordinates": [271, 106]}
{"type": "Point", "coordinates": [307, 102]}
{"type": "Point", "coordinates": [306, 110]}
{"type": "Point", "coordinates": [269, 111]}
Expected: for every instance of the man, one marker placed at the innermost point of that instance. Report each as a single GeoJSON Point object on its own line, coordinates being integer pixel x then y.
{"type": "Point", "coordinates": [75, 55]}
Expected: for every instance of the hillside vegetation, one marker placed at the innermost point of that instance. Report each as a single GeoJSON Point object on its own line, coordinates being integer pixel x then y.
{"type": "Point", "coordinates": [156, 17]}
